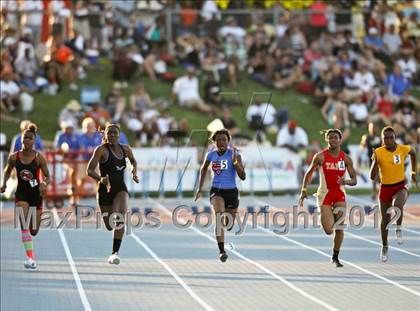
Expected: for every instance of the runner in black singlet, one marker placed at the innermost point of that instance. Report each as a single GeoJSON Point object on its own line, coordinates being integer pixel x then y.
{"type": "Point", "coordinates": [28, 163]}
{"type": "Point", "coordinates": [112, 191]}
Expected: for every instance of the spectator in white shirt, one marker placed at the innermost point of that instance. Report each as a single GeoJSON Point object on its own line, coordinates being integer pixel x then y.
{"type": "Point", "coordinates": [282, 26]}
{"type": "Point", "coordinates": [261, 116]}
{"type": "Point", "coordinates": [231, 28]}
{"type": "Point", "coordinates": [33, 10]}
{"type": "Point", "coordinates": [292, 137]}
{"type": "Point", "coordinates": [25, 43]}
{"type": "Point", "coordinates": [209, 10]}
{"type": "Point", "coordinates": [186, 88]}
{"type": "Point", "coordinates": [10, 92]}
{"type": "Point", "coordinates": [164, 122]}
{"type": "Point", "coordinates": [364, 79]}
{"type": "Point", "coordinates": [10, 10]}
{"type": "Point", "coordinates": [407, 64]}
{"type": "Point", "coordinates": [359, 111]}
{"type": "Point", "coordinates": [70, 113]}
{"type": "Point", "coordinates": [26, 68]}
{"type": "Point", "coordinates": [392, 41]}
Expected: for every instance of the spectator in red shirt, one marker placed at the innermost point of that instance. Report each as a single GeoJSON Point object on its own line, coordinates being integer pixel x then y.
{"type": "Point", "coordinates": [100, 115]}
{"type": "Point", "coordinates": [318, 20]}
{"type": "Point", "coordinates": [383, 110]}
{"type": "Point", "coordinates": [189, 16]}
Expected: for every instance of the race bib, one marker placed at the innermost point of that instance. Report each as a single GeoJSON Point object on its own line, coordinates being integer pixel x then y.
{"type": "Point", "coordinates": [397, 159]}
{"type": "Point", "coordinates": [33, 183]}
{"type": "Point", "coordinates": [224, 165]}
{"type": "Point", "coordinates": [341, 165]}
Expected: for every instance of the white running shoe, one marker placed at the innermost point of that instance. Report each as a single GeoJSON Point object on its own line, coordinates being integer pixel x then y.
{"type": "Point", "coordinates": [399, 237]}
{"type": "Point", "coordinates": [384, 253]}
{"type": "Point", "coordinates": [30, 264]}
{"type": "Point", "coordinates": [114, 259]}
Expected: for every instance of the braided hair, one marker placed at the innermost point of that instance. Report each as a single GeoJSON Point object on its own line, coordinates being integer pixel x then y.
{"type": "Point", "coordinates": [220, 132]}
{"type": "Point", "coordinates": [327, 133]}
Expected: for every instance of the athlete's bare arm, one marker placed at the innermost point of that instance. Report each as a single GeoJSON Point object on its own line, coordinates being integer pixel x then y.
{"type": "Point", "coordinates": [98, 154]}
{"type": "Point", "coordinates": [352, 173]}
{"type": "Point", "coordinates": [11, 161]}
{"type": "Point", "coordinates": [133, 162]}
{"type": "Point", "coordinates": [374, 170]}
{"type": "Point", "coordinates": [317, 161]}
{"type": "Point", "coordinates": [413, 159]}
{"type": "Point", "coordinates": [45, 173]}
{"type": "Point", "coordinates": [203, 173]}
{"type": "Point", "coordinates": [239, 167]}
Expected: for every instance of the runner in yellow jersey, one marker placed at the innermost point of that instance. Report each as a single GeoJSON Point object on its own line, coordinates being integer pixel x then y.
{"type": "Point", "coordinates": [388, 161]}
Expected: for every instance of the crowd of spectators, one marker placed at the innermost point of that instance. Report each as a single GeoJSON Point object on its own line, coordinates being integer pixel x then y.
{"type": "Point", "coordinates": [357, 59]}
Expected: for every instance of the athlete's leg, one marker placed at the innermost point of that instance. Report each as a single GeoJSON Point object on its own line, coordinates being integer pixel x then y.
{"type": "Point", "coordinates": [120, 206]}
{"type": "Point", "coordinates": [26, 234]}
{"type": "Point", "coordinates": [384, 231]}
{"type": "Point", "coordinates": [385, 219]}
{"type": "Point", "coordinates": [327, 219]}
{"type": "Point", "coordinates": [339, 233]}
{"type": "Point", "coordinates": [399, 200]}
{"type": "Point", "coordinates": [35, 230]}
{"type": "Point", "coordinates": [232, 212]}
{"type": "Point", "coordinates": [219, 208]}
{"type": "Point", "coordinates": [106, 211]}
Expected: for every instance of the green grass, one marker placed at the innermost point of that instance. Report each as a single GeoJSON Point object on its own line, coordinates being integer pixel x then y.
{"type": "Point", "coordinates": [300, 107]}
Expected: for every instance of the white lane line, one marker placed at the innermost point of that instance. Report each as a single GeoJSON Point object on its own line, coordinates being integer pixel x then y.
{"type": "Point", "coordinates": [375, 242]}
{"type": "Point", "coordinates": [366, 202]}
{"type": "Point", "coordinates": [76, 276]}
{"type": "Point", "coordinates": [258, 265]}
{"type": "Point", "coordinates": [181, 282]}
{"type": "Point", "coordinates": [411, 230]}
{"type": "Point", "coordinates": [403, 287]}
{"type": "Point", "coordinates": [380, 244]}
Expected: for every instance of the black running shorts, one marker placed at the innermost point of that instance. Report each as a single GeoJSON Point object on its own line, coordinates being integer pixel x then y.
{"type": "Point", "coordinates": [231, 196]}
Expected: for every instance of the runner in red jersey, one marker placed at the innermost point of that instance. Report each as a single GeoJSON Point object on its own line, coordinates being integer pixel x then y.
{"type": "Point", "coordinates": [332, 164]}
{"type": "Point", "coordinates": [332, 169]}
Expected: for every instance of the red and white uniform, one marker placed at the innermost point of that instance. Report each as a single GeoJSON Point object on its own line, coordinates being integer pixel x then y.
{"type": "Point", "coordinates": [329, 191]}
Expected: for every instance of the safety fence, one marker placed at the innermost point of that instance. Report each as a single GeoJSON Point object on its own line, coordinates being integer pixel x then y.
{"type": "Point", "coordinates": [170, 171]}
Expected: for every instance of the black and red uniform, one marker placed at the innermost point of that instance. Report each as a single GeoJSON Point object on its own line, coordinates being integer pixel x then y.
{"type": "Point", "coordinates": [28, 181]}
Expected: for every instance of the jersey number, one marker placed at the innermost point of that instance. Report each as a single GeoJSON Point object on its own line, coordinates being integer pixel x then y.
{"type": "Point", "coordinates": [397, 159]}
{"type": "Point", "coordinates": [223, 165]}
{"type": "Point", "coordinates": [33, 183]}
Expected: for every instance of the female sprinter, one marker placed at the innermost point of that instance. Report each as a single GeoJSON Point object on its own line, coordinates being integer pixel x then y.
{"type": "Point", "coordinates": [112, 191]}
{"type": "Point", "coordinates": [30, 189]}
{"type": "Point", "coordinates": [225, 164]}
{"type": "Point", "coordinates": [332, 164]}
{"type": "Point", "coordinates": [388, 161]}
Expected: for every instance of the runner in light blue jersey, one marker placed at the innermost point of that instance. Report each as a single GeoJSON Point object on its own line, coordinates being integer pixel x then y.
{"type": "Point", "coordinates": [226, 163]}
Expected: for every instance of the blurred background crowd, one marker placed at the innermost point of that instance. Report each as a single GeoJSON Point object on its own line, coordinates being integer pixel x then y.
{"type": "Point", "coordinates": [357, 61]}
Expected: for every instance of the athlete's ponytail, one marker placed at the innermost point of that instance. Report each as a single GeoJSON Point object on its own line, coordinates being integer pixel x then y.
{"type": "Point", "coordinates": [31, 127]}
